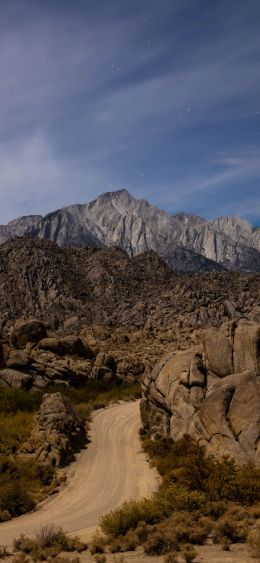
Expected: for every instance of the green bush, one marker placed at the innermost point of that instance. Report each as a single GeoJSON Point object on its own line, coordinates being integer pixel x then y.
{"type": "Point", "coordinates": [185, 464]}
{"type": "Point", "coordinates": [177, 497]}
{"type": "Point", "coordinates": [119, 521]}
{"type": "Point", "coordinates": [14, 430]}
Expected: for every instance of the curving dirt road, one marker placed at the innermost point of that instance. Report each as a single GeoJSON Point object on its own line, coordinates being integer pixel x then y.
{"type": "Point", "coordinates": [111, 470]}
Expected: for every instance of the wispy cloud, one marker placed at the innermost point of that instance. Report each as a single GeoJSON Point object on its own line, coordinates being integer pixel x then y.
{"type": "Point", "coordinates": [91, 98]}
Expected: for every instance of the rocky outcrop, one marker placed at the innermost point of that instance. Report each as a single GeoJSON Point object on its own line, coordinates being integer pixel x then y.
{"type": "Point", "coordinates": [210, 392]}
{"type": "Point", "coordinates": [57, 434]}
{"type": "Point", "coordinates": [26, 331]}
{"type": "Point", "coordinates": [187, 243]}
{"type": "Point", "coordinates": [99, 353]}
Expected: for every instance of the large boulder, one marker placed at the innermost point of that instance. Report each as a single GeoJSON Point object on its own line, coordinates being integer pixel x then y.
{"type": "Point", "coordinates": [57, 434]}
{"type": "Point", "coordinates": [30, 330]}
{"type": "Point", "coordinates": [210, 392]}
{"type": "Point", "coordinates": [13, 378]}
{"type": "Point", "coordinates": [68, 345]}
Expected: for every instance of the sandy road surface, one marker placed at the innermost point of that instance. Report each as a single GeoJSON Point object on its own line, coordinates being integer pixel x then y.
{"type": "Point", "coordinates": [111, 470]}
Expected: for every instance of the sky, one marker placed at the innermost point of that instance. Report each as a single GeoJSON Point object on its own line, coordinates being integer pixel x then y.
{"type": "Point", "coordinates": [161, 98]}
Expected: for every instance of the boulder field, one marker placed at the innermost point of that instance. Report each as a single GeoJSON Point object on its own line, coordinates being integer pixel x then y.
{"type": "Point", "coordinates": [32, 358]}
{"type": "Point", "coordinates": [210, 392]}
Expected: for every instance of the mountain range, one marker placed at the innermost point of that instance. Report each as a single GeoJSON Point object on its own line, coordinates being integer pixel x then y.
{"type": "Point", "coordinates": [187, 243]}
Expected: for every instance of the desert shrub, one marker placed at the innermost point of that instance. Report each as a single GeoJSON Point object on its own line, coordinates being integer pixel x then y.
{"type": "Point", "coordinates": [14, 499]}
{"type": "Point", "coordinates": [177, 497]}
{"type": "Point", "coordinates": [128, 542]}
{"type": "Point", "coordinates": [119, 521]}
{"type": "Point", "coordinates": [232, 527]}
{"type": "Point", "coordinates": [20, 481]}
{"type": "Point", "coordinates": [143, 530]}
{"type": "Point", "coordinates": [215, 509]}
{"type": "Point", "coordinates": [187, 528]}
{"type": "Point", "coordinates": [253, 541]}
{"type": "Point", "coordinates": [161, 541]}
{"type": "Point", "coordinates": [171, 557]}
{"type": "Point", "coordinates": [13, 400]}
{"type": "Point", "coordinates": [14, 430]}
{"type": "Point", "coordinates": [49, 542]}
{"type": "Point", "coordinates": [97, 544]}
{"type": "Point", "coordinates": [184, 463]}
{"type": "Point", "coordinates": [246, 486]}
{"type": "Point", "coordinates": [5, 515]}
{"type": "Point", "coordinates": [180, 528]}
{"type": "Point", "coordinates": [189, 553]}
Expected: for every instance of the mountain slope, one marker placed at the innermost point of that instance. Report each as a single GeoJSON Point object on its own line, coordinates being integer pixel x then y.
{"type": "Point", "coordinates": [186, 242]}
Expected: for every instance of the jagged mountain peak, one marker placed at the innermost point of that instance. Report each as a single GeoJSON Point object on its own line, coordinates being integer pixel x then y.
{"type": "Point", "coordinates": [188, 243]}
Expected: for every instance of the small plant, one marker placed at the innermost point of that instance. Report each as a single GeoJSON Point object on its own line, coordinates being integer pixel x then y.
{"type": "Point", "coordinates": [226, 544]}
{"type": "Point", "coordinates": [160, 542]}
{"type": "Point", "coordinates": [49, 542]}
{"type": "Point", "coordinates": [171, 557]}
{"type": "Point", "coordinates": [233, 526]}
{"type": "Point", "coordinates": [189, 553]}
{"type": "Point", "coordinates": [97, 544]}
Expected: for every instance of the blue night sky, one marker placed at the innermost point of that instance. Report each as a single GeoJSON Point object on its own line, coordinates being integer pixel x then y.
{"type": "Point", "coordinates": [162, 98]}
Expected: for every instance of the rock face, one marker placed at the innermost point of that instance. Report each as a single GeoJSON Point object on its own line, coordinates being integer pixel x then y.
{"type": "Point", "coordinates": [186, 242]}
{"type": "Point", "coordinates": [57, 434]}
{"type": "Point", "coordinates": [210, 392]}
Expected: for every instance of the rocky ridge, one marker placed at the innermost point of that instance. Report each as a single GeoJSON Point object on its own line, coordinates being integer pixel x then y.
{"type": "Point", "coordinates": [98, 314]}
{"type": "Point", "coordinates": [210, 392]}
{"type": "Point", "coordinates": [186, 242]}
{"type": "Point", "coordinates": [107, 286]}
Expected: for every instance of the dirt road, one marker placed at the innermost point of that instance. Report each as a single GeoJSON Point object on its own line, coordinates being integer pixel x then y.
{"type": "Point", "coordinates": [111, 470]}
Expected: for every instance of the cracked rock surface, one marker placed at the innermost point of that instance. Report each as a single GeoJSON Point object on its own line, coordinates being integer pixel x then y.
{"type": "Point", "coordinates": [210, 392]}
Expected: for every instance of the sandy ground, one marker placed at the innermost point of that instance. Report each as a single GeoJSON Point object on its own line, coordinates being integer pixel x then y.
{"type": "Point", "coordinates": [111, 470]}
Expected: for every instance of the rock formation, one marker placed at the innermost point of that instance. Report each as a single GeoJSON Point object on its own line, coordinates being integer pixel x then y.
{"type": "Point", "coordinates": [210, 392]}
{"type": "Point", "coordinates": [189, 244]}
{"type": "Point", "coordinates": [73, 305]}
{"type": "Point", "coordinates": [57, 434]}
{"type": "Point", "coordinates": [92, 286]}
